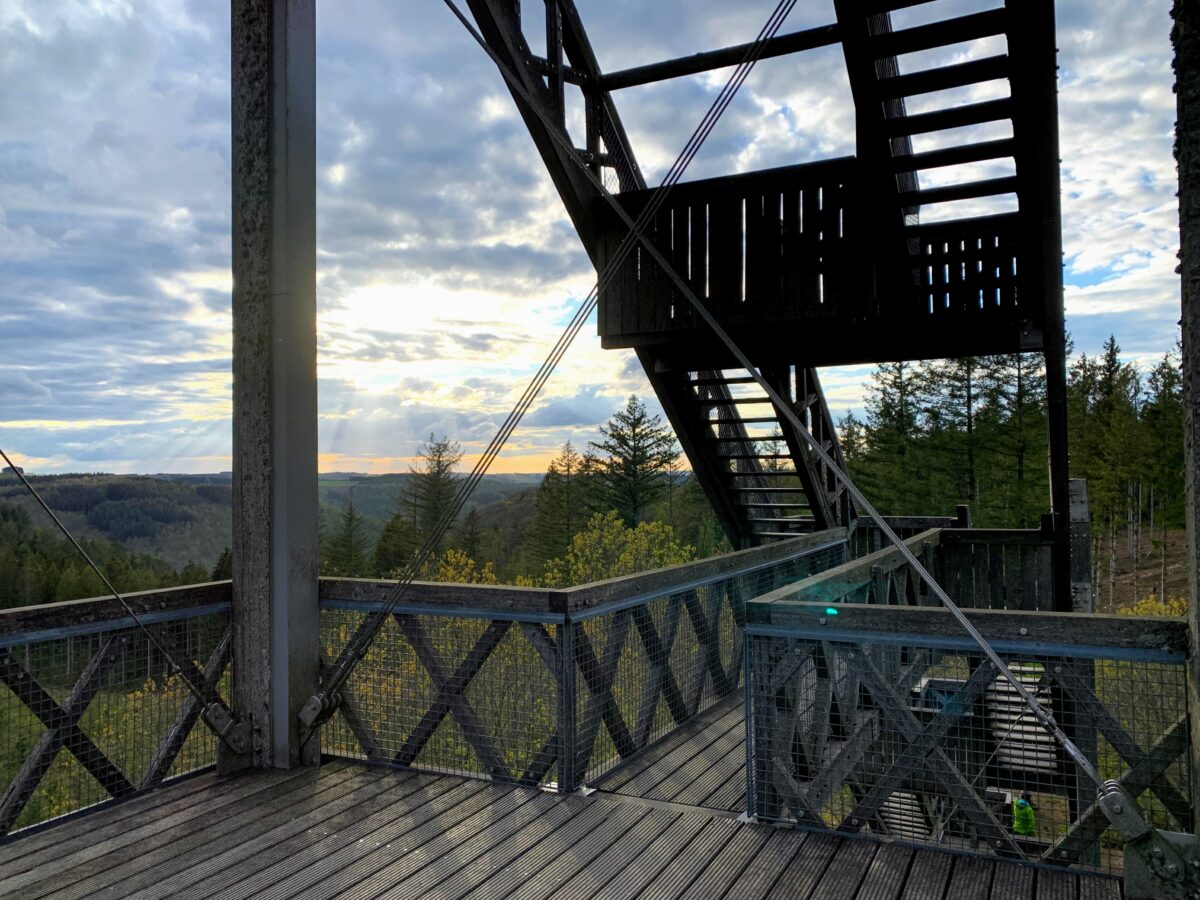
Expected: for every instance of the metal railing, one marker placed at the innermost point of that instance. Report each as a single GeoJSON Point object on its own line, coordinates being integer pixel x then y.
{"type": "Point", "coordinates": [89, 709]}
{"type": "Point", "coordinates": [549, 686]}
{"type": "Point", "coordinates": [887, 720]}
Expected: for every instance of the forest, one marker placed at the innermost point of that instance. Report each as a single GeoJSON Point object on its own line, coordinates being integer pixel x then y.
{"type": "Point", "coordinates": [934, 434]}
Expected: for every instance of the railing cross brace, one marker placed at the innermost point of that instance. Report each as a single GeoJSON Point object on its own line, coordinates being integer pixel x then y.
{"type": "Point", "coordinates": [62, 729]}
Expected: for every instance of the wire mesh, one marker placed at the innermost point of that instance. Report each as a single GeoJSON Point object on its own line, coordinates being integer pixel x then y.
{"type": "Point", "coordinates": [449, 693]}
{"type": "Point", "coordinates": [89, 717]}
{"type": "Point", "coordinates": [908, 741]}
{"type": "Point", "coordinates": [647, 667]}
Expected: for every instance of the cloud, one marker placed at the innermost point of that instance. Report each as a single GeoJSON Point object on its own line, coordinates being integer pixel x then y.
{"type": "Point", "coordinates": [446, 264]}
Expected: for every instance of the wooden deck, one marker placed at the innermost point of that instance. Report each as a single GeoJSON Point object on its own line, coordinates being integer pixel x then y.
{"type": "Point", "coordinates": [701, 764]}
{"type": "Point", "coordinates": [358, 832]}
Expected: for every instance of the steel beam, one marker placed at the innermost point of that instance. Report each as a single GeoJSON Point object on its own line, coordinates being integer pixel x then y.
{"type": "Point", "coordinates": [275, 609]}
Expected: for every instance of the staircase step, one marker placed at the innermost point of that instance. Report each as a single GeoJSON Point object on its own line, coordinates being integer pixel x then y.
{"type": "Point", "coordinates": [750, 420]}
{"type": "Point", "coordinates": [776, 534]}
{"type": "Point", "coordinates": [774, 505]}
{"type": "Point", "coordinates": [939, 34]}
{"type": "Point", "coordinates": [755, 456]}
{"type": "Point", "coordinates": [955, 156]}
{"type": "Point", "coordinates": [989, 187]}
{"type": "Point", "coordinates": [732, 401]}
{"type": "Point", "coordinates": [783, 520]}
{"type": "Point", "coordinates": [767, 473]}
{"type": "Point", "coordinates": [943, 78]}
{"type": "Point", "coordinates": [768, 489]}
{"type": "Point", "coordinates": [711, 382]}
{"type": "Point", "coordinates": [957, 117]}
{"type": "Point", "coordinates": [749, 437]}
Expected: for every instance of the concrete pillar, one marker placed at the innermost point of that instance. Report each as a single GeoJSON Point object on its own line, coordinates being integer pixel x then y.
{"type": "Point", "coordinates": [275, 633]}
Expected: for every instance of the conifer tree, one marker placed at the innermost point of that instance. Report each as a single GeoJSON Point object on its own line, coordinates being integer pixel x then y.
{"type": "Point", "coordinates": [559, 511]}
{"type": "Point", "coordinates": [632, 459]}
{"type": "Point", "coordinates": [348, 548]}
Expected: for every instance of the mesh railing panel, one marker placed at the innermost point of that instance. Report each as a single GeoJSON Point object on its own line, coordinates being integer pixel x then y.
{"type": "Point", "coordinates": [89, 717]}
{"type": "Point", "coordinates": [907, 739]}
{"type": "Point", "coordinates": [648, 666]}
{"type": "Point", "coordinates": [449, 693]}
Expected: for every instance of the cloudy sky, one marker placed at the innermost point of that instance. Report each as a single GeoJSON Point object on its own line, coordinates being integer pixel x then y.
{"type": "Point", "coordinates": [446, 266]}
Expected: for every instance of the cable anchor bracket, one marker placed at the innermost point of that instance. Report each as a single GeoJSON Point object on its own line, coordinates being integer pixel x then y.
{"type": "Point", "coordinates": [1159, 865]}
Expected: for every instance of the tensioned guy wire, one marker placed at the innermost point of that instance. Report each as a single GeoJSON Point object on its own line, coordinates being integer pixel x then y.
{"type": "Point", "coordinates": [158, 645]}
{"type": "Point", "coordinates": [358, 644]}
{"type": "Point", "coordinates": [1043, 716]}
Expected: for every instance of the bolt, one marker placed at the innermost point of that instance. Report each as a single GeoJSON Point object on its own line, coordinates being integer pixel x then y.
{"type": "Point", "coordinates": [1172, 870]}
{"type": "Point", "coordinates": [1196, 863]}
{"type": "Point", "coordinates": [854, 821]}
{"type": "Point", "coordinates": [1118, 808]}
{"type": "Point", "coordinates": [821, 621]}
{"type": "Point", "coordinates": [1058, 670]}
{"type": "Point", "coordinates": [1156, 852]}
{"type": "Point", "coordinates": [1024, 631]}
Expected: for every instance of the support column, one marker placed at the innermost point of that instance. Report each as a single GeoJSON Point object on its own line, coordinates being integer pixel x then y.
{"type": "Point", "coordinates": [1185, 37]}
{"type": "Point", "coordinates": [275, 611]}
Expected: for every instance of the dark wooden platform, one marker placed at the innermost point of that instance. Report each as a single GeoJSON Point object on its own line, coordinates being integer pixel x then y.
{"type": "Point", "coordinates": [357, 832]}
{"type": "Point", "coordinates": [701, 764]}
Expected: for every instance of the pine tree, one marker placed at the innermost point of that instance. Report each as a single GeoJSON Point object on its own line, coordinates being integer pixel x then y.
{"type": "Point", "coordinates": [427, 494]}
{"type": "Point", "coordinates": [348, 548]}
{"type": "Point", "coordinates": [559, 511]}
{"type": "Point", "coordinates": [469, 534]}
{"type": "Point", "coordinates": [891, 471]}
{"type": "Point", "coordinates": [223, 570]}
{"type": "Point", "coordinates": [632, 460]}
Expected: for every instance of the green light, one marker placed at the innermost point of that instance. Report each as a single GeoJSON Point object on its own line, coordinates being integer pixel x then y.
{"type": "Point", "coordinates": [831, 611]}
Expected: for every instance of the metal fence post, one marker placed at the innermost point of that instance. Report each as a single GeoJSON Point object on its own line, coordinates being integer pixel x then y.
{"type": "Point", "coordinates": [568, 779]}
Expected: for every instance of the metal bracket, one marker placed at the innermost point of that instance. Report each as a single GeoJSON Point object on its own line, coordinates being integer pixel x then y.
{"type": "Point", "coordinates": [1159, 865]}
{"type": "Point", "coordinates": [236, 735]}
{"type": "Point", "coordinates": [318, 709]}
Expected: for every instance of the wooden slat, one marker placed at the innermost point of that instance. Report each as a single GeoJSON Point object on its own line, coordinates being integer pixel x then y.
{"type": "Point", "coordinates": [806, 868]}
{"type": "Point", "coordinates": [1055, 884]}
{"type": "Point", "coordinates": [437, 848]}
{"type": "Point", "coordinates": [956, 117]}
{"type": "Point", "coordinates": [726, 868]}
{"type": "Point", "coordinates": [247, 859]}
{"type": "Point", "coordinates": [670, 846]}
{"type": "Point", "coordinates": [376, 826]}
{"type": "Point", "coordinates": [1012, 880]}
{"type": "Point", "coordinates": [593, 878]}
{"type": "Point", "coordinates": [846, 871]}
{"type": "Point", "coordinates": [928, 875]}
{"type": "Point", "coordinates": [698, 855]}
{"type": "Point", "coordinates": [888, 873]}
{"type": "Point", "coordinates": [972, 878]}
{"type": "Point", "coordinates": [766, 867]}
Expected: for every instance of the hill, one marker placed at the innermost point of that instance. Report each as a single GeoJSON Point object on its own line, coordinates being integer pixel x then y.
{"type": "Point", "coordinates": [188, 518]}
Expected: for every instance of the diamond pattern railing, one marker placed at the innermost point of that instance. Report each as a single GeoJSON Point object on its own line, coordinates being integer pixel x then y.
{"type": "Point", "coordinates": [89, 708]}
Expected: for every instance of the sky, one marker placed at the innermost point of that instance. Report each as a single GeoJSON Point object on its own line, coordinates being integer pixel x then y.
{"type": "Point", "coordinates": [446, 264]}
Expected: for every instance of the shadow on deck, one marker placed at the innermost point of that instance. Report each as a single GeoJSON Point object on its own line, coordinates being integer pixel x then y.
{"type": "Point", "coordinates": [354, 831]}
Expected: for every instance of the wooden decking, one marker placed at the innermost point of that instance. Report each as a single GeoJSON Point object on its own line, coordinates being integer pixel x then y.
{"type": "Point", "coordinates": [701, 764]}
{"type": "Point", "coordinates": [357, 832]}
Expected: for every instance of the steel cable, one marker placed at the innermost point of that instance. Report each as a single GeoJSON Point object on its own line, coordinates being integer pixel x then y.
{"type": "Point", "coordinates": [320, 706]}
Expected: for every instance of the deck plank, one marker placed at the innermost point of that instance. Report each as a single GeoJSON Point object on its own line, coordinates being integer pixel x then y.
{"type": "Point", "coordinates": [401, 807]}
{"type": "Point", "coordinates": [765, 868]}
{"type": "Point", "coordinates": [972, 878]}
{"type": "Point", "coordinates": [660, 854]}
{"type": "Point", "coordinates": [928, 875]}
{"type": "Point", "coordinates": [144, 876]}
{"type": "Point", "coordinates": [1012, 880]}
{"type": "Point", "coordinates": [804, 872]}
{"type": "Point", "coordinates": [618, 841]}
{"type": "Point", "coordinates": [367, 833]}
{"type": "Point", "coordinates": [432, 850]}
{"type": "Point", "coordinates": [188, 828]}
{"type": "Point", "coordinates": [728, 865]}
{"type": "Point", "coordinates": [886, 876]}
{"type": "Point", "coordinates": [1054, 884]}
{"type": "Point", "coordinates": [673, 880]}
{"type": "Point", "coordinates": [375, 829]}
{"type": "Point", "coordinates": [846, 871]}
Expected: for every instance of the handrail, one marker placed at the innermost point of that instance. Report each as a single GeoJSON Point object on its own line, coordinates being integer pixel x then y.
{"type": "Point", "coordinates": [504, 598]}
